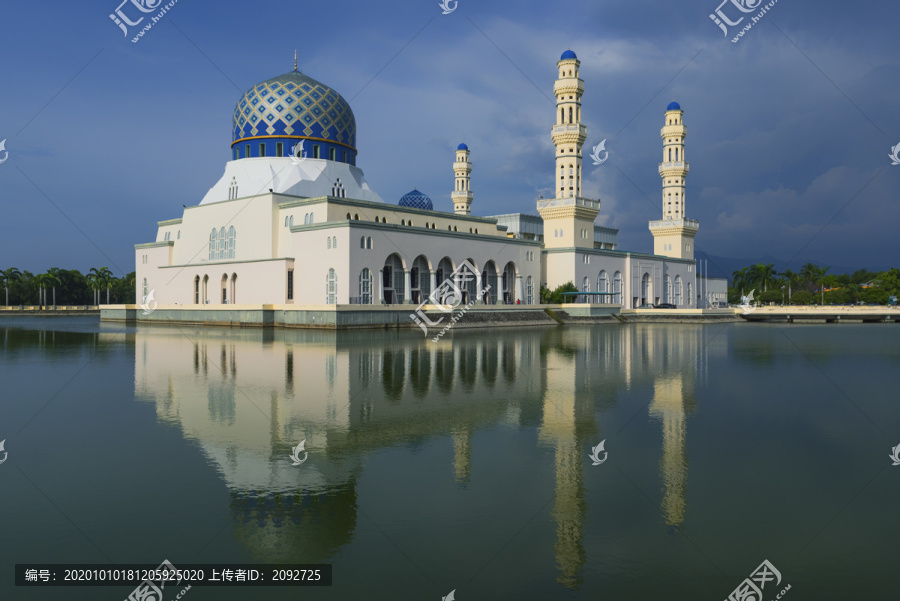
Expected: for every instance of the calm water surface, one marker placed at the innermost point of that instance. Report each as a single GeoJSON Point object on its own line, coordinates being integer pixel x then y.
{"type": "Point", "coordinates": [462, 464]}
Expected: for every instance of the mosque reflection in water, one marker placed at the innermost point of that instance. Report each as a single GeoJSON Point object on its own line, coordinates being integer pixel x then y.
{"type": "Point", "coordinates": [246, 397]}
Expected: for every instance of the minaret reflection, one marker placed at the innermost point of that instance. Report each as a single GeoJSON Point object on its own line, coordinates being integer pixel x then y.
{"type": "Point", "coordinates": [673, 400]}
{"type": "Point", "coordinates": [567, 420]}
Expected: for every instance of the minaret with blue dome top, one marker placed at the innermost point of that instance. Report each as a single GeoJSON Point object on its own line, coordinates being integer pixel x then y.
{"type": "Point", "coordinates": [294, 115]}
{"type": "Point", "coordinates": [568, 218]}
{"type": "Point", "coordinates": [673, 235]}
{"type": "Point", "coordinates": [462, 194]}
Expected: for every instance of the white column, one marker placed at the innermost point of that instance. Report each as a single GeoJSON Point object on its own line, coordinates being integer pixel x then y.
{"type": "Point", "coordinates": [407, 285]}
{"type": "Point", "coordinates": [379, 288]}
{"type": "Point", "coordinates": [500, 287]}
{"type": "Point", "coordinates": [520, 290]}
{"type": "Point", "coordinates": [478, 282]}
{"type": "Point", "coordinates": [432, 277]}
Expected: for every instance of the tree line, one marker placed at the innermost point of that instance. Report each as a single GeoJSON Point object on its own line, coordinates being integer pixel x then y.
{"type": "Point", "coordinates": [65, 287]}
{"type": "Point", "coordinates": [813, 284]}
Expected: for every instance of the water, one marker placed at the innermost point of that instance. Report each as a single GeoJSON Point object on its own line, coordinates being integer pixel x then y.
{"type": "Point", "coordinates": [462, 464]}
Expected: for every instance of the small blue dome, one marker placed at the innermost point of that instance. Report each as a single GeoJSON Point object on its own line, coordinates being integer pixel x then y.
{"type": "Point", "coordinates": [462, 147]}
{"type": "Point", "coordinates": [673, 106]}
{"type": "Point", "coordinates": [416, 200]}
{"type": "Point", "coordinates": [567, 54]}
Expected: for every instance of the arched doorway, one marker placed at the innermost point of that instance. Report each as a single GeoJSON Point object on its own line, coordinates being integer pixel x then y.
{"type": "Point", "coordinates": [224, 288]}
{"type": "Point", "coordinates": [420, 280]}
{"type": "Point", "coordinates": [509, 284]}
{"type": "Point", "coordinates": [393, 291]}
{"type": "Point", "coordinates": [489, 279]}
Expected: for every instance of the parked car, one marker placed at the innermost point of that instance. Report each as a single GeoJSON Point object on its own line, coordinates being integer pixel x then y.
{"type": "Point", "coordinates": [666, 306]}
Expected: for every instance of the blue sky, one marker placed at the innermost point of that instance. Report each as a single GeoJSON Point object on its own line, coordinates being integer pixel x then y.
{"type": "Point", "coordinates": [789, 130]}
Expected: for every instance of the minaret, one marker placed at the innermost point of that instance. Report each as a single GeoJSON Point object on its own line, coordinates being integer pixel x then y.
{"type": "Point", "coordinates": [569, 218]}
{"type": "Point", "coordinates": [673, 236]}
{"type": "Point", "coordinates": [462, 194]}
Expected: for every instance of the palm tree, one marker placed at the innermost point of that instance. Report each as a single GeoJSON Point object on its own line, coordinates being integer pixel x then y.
{"type": "Point", "coordinates": [106, 280]}
{"type": "Point", "coordinates": [41, 280]}
{"type": "Point", "coordinates": [766, 273]}
{"type": "Point", "coordinates": [739, 278]}
{"type": "Point", "coordinates": [789, 279]}
{"type": "Point", "coordinates": [809, 273]}
{"type": "Point", "coordinates": [97, 279]}
{"type": "Point", "coordinates": [53, 272]}
{"type": "Point", "coordinates": [9, 275]}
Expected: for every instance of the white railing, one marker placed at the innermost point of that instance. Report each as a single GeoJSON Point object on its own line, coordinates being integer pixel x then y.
{"type": "Point", "coordinates": [563, 128]}
{"type": "Point", "coordinates": [568, 202]}
{"type": "Point", "coordinates": [673, 165]}
{"type": "Point", "coordinates": [675, 223]}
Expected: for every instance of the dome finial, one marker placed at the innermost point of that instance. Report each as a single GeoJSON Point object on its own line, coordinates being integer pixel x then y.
{"type": "Point", "coordinates": [295, 60]}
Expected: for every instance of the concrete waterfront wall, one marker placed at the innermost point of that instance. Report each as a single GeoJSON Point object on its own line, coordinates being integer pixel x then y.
{"type": "Point", "coordinates": [355, 316]}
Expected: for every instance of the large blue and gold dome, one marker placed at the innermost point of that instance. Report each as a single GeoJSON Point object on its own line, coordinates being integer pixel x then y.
{"type": "Point", "coordinates": [277, 115]}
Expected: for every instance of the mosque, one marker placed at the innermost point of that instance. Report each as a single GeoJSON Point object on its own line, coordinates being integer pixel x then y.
{"type": "Point", "coordinates": [293, 221]}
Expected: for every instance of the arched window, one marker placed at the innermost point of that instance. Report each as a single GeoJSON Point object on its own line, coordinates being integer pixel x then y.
{"type": "Point", "coordinates": [403, 222]}
{"type": "Point", "coordinates": [603, 285]}
{"type": "Point", "coordinates": [329, 242]}
{"type": "Point", "coordinates": [670, 155]}
{"type": "Point", "coordinates": [285, 221]}
{"type": "Point", "coordinates": [197, 290]}
{"type": "Point", "coordinates": [362, 242]}
{"type": "Point", "coordinates": [213, 244]}
{"type": "Point", "coordinates": [529, 291]}
{"type": "Point", "coordinates": [331, 288]}
{"type": "Point", "coordinates": [231, 240]}
{"type": "Point", "coordinates": [334, 242]}
{"type": "Point", "coordinates": [222, 242]}
{"type": "Point", "coordinates": [586, 287]}
{"type": "Point", "coordinates": [667, 289]}
{"type": "Point", "coordinates": [179, 235]}
{"type": "Point", "coordinates": [365, 287]}
{"type": "Point", "coordinates": [377, 220]}
{"type": "Point", "coordinates": [369, 243]}
{"type": "Point", "coordinates": [690, 295]}
{"type": "Point", "coordinates": [449, 228]}
{"type": "Point", "coordinates": [678, 290]}
{"type": "Point", "coordinates": [676, 154]}
{"type": "Point", "coordinates": [356, 216]}
{"type": "Point", "coordinates": [144, 292]}
{"type": "Point", "coordinates": [570, 115]}
{"type": "Point", "coordinates": [617, 288]}
{"type": "Point", "coordinates": [348, 217]}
